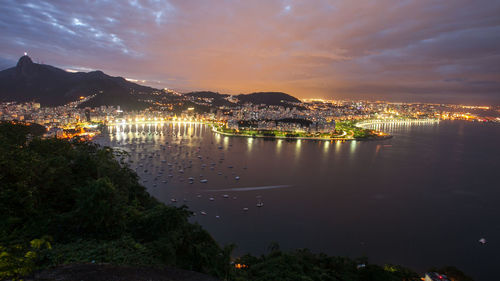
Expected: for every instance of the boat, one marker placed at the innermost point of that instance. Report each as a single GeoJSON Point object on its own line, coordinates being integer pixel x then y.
{"type": "Point", "coordinates": [236, 178]}
{"type": "Point", "coordinates": [203, 213]}
{"type": "Point", "coordinates": [203, 181]}
{"type": "Point", "coordinates": [173, 200]}
{"type": "Point", "coordinates": [245, 209]}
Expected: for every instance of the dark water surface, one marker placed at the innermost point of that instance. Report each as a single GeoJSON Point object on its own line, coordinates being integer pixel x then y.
{"type": "Point", "coordinates": [423, 198]}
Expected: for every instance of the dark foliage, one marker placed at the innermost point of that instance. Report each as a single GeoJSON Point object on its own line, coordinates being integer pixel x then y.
{"type": "Point", "coordinates": [303, 265]}
{"type": "Point", "coordinates": [93, 207]}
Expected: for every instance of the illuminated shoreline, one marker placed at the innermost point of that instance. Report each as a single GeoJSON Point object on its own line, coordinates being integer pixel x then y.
{"type": "Point", "coordinates": [300, 138]}
{"type": "Point", "coordinates": [369, 123]}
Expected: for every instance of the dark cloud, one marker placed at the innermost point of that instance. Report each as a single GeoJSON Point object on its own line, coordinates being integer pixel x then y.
{"type": "Point", "coordinates": [382, 49]}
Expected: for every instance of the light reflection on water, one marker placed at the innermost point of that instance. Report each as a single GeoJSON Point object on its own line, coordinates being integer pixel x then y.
{"type": "Point", "coordinates": [397, 201]}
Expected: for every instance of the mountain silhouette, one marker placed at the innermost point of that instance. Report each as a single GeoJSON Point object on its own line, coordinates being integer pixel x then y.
{"type": "Point", "coordinates": [52, 86]}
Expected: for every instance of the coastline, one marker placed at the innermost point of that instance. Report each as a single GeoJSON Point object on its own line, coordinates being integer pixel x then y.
{"type": "Point", "coordinates": [301, 138]}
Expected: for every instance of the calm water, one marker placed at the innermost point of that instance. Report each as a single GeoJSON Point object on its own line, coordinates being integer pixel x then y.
{"type": "Point", "coordinates": [423, 198]}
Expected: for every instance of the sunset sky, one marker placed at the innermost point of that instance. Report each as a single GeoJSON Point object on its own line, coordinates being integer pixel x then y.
{"type": "Point", "coordinates": [425, 50]}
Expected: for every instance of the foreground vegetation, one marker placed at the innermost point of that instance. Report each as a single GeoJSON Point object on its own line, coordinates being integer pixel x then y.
{"type": "Point", "coordinates": [72, 201]}
{"type": "Point", "coordinates": [64, 202]}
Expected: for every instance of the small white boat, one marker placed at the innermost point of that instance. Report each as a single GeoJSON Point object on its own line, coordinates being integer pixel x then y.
{"type": "Point", "coordinates": [482, 241]}
{"type": "Point", "coordinates": [225, 196]}
{"type": "Point", "coordinates": [173, 200]}
{"type": "Point", "coordinates": [204, 181]}
{"type": "Point", "coordinates": [236, 178]}
{"type": "Point", "coordinates": [211, 199]}
{"type": "Point", "coordinates": [203, 213]}
{"type": "Point", "coordinates": [260, 204]}
{"type": "Point", "coordinates": [245, 209]}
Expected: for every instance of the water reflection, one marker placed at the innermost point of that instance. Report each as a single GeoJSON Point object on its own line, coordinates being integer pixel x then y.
{"type": "Point", "coordinates": [337, 205]}
{"type": "Point", "coordinates": [326, 146]}
{"type": "Point", "coordinates": [353, 146]}
{"type": "Point", "coordinates": [250, 142]}
{"type": "Point", "coordinates": [279, 144]}
{"type": "Point", "coordinates": [298, 145]}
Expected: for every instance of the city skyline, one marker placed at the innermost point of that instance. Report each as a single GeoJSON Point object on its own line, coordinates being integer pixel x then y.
{"type": "Point", "coordinates": [412, 51]}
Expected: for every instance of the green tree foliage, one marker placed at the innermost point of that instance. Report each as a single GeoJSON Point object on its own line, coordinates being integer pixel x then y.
{"type": "Point", "coordinates": [304, 265]}
{"type": "Point", "coordinates": [18, 260]}
{"type": "Point", "coordinates": [92, 205]}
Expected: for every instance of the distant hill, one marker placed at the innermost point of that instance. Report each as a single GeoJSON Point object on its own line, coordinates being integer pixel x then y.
{"type": "Point", "coordinates": [206, 94]}
{"type": "Point", "coordinates": [268, 98]}
{"type": "Point", "coordinates": [217, 99]}
{"type": "Point", "coordinates": [52, 86]}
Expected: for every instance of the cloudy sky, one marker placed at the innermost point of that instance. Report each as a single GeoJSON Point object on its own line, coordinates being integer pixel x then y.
{"type": "Point", "coordinates": [428, 50]}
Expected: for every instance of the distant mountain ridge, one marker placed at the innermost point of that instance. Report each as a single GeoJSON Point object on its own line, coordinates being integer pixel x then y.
{"type": "Point", "coordinates": [52, 86]}
{"type": "Point", "coordinates": [267, 98]}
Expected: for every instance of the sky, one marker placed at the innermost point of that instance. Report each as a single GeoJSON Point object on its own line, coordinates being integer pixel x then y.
{"type": "Point", "coordinates": [400, 50]}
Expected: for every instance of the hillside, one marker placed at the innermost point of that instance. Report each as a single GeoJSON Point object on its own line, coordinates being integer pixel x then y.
{"type": "Point", "coordinates": [206, 94]}
{"type": "Point", "coordinates": [209, 98]}
{"type": "Point", "coordinates": [52, 86]}
{"type": "Point", "coordinates": [67, 202]}
{"type": "Point", "coordinates": [268, 98]}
